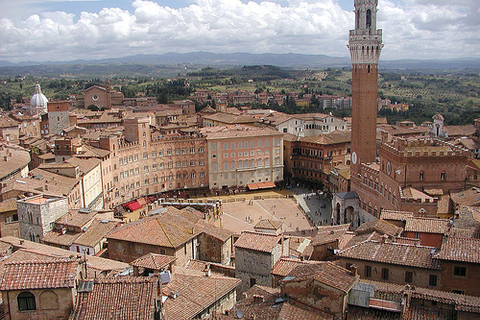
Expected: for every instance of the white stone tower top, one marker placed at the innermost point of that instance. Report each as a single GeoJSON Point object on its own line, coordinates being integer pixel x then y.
{"type": "Point", "coordinates": [365, 42]}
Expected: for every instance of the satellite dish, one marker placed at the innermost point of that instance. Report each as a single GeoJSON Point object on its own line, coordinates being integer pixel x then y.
{"type": "Point", "coordinates": [239, 314]}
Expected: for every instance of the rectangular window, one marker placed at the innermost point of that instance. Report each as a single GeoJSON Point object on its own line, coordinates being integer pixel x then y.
{"type": "Point", "coordinates": [368, 271]}
{"type": "Point", "coordinates": [432, 280]}
{"type": "Point", "coordinates": [385, 273]}
{"type": "Point", "coordinates": [408, 276]}
{"type": "Point", "coordinates": [145, 155]}
{"type": "Point", "coordinates": [460, 271]}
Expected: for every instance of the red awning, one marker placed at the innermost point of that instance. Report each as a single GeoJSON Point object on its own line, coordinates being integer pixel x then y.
{"type": "Point", "coordinates": [134, 206]}
{"type": "Point", "coordinates": [266, 185]}
{"type": "Point", "coordinates": [261, 185]}
{"type": "Point", "coordinates": [252, 186]}
{"type": "Point", "coordinates": [125, 205]}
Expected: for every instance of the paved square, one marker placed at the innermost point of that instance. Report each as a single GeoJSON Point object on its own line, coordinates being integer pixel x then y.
{"type": "Point", "coordinates": [243, 215]}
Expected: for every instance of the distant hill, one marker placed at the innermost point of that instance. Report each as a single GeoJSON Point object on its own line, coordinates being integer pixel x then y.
{"type": "Point", "coordinates": [172, 64]}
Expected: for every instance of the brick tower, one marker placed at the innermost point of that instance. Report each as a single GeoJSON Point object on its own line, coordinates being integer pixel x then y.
{"type": "Point", "coordinates": [365, 44]}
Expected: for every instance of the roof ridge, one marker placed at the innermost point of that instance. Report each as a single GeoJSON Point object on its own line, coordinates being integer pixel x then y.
{"type": "Point", "coordinates": [165, 232]}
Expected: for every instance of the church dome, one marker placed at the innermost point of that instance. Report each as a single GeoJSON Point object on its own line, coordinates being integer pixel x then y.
{"type": "Point", "coordinates": [38, 99]}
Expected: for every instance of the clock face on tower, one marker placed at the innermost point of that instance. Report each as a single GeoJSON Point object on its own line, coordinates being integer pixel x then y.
{"type": "Point", "coordinates": [354, 158]}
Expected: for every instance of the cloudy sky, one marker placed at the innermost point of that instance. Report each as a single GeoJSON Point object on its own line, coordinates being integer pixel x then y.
{"type": "Point", "coordinates": [53, 30]}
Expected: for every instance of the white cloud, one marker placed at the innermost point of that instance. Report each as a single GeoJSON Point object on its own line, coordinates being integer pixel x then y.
{"type": "Point", "coordinates": [411, 28]}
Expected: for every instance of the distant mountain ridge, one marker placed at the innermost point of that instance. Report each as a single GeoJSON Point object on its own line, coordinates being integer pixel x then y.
{"type": "Point", "coordinates": [157, 64]}
{"type": "Point", "coordinates": [281, 59]}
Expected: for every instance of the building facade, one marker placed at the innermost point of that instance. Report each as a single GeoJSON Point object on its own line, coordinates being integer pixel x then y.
{"type": "Point", "coordinates": [240, 155]}
{"type": "Point", "coordinates": [37, 215]}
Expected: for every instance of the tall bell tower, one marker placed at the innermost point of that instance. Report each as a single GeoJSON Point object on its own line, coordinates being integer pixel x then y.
{"type": "Point", "coordinates": [365, 44]}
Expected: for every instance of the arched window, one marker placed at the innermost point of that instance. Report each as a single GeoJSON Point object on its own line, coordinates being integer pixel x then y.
{"type": "Point", "coordinates": [26, 301]}
{"type": "Point", "coordinates": [369, 18]}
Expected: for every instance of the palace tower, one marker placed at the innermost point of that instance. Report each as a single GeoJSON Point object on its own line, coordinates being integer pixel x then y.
{"type": "Point", "coordinates": [365, 44]}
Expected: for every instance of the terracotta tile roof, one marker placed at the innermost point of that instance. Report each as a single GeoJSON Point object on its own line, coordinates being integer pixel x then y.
{"type": "Point", "coordinates": [300, 247]}
{"type": "Point", "coordinates": [277, 117]}
{"type": "Point", "coordinates": [194, 294]}
{"type": "Point", "coordinates": [94, 264]}
{"type": "Point", "coordinates": [381, 226]}
{"type": "Point", "coordinates": [216, 232]}
{"type": "Point", "coordinates": [8, 205]}
{"type": "Point", "coordinates": [258, 241]}
{"type": "Point", "coordinates": [230, 118]}
{"type": "Point", "coordinates": [325, 272]}
{"type": "Point", "coordinates": [469, 197]}
{"type": "Point", "coordinates": [395, 292]}
{"type": "Point", "coordinates": [153, 261]}
{"type": "Point", "coordinates": [395, 215]}
{"type": "Point", "coordinates": [258, 303]}
{"type": "Point", "coordinates": [233, 131]}
{"type": "Point", "coordinates": [427, 225]}
{"type": "Point", "coordinates": [460, 249]}
{"type": "Point", "coordinates": [289, 137]}
{"type": "Point", "coordinates": [96, 232]}
{"type": "Point", "coordinates": [328, 234]}
{"type": "Point", "coordinates": [17, 158]}
{"type": "Point", "coordinates": [410, 241]}
{"type": "Point", "coordinates": [364, 237]}
{"type": "Point", "coordinates": [392, 253]}
{"type": "Point", "coordinates": [296, 311]}
{"type": "Point", "coordinates": [361, 313]}
{"type": "Point", "coordinates": [163, 230]}
{"type": "Point", "coordinates": [57, 238]}
{"type": "Point", "coordinates": [455, 131]}
{"type": "Point", "coordinates": [410, 192]}
{"type": "Point", "coordinates": [117, 298]}
{"type": "Point", "coordinates": [57, 185]}
{"type": "Point", "coordinates": [329, 138]}
{"type": "Point", "coordinates": [39, 274]}
{"type": "Point", "coordinates": [269, 224]}
{"type": "Point", "coordinates": [77, 218]}
{"type": "Point", "coordinates": [285, 265]}
{"type": "Point", "coordinates": [84, 165]}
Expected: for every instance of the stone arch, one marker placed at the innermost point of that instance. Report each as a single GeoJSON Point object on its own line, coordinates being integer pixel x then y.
{"type": "Point", "coordinates": [349, 214]}
{"type": "Point", "coordinates": [48, 300]}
